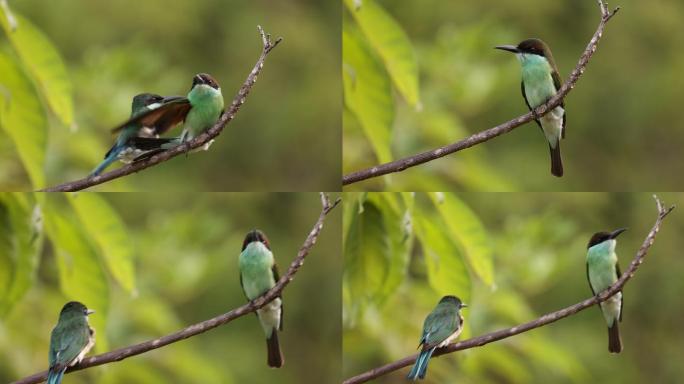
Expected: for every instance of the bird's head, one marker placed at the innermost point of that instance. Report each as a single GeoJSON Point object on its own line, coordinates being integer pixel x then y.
{"type": "Point", "coordinates": [204, 79]}
{"type": "Point", "coordinates": [255, 235]}
{"type": "Point", "coordinates": [75, 308]}
{"type": "Point", "coordinates": [453, 300]}
{"type": "Point", "coordinates": [601, 237]}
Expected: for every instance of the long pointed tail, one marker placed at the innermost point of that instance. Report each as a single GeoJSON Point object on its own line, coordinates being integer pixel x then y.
{"type": "Point", "coordinates": [556, 161]}
{"type": "Point", "coordinates": [55, 377]}
{"type": "Point", "coordinates": [420, 367]}
{"type": "Point", "coordinates": [111, 157]}
{"type": "Point", "coordinates": [275, 356]}
{"type": "Point", "coordinates": [614, 341]}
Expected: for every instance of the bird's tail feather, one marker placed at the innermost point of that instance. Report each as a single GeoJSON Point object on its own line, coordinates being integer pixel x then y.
{"type": "Point", "coordinates": [275, 356]}
{"type": "Point", "coordinates": [420, 367]}
{"type": "Point", "coordinates": [55, 377]}
{"type": "Point", "coordinates": [614, 341]}
{"type": "Point", "coordinates": [556, 161]}
{"type": "Point", "coordinates": [109, 159]}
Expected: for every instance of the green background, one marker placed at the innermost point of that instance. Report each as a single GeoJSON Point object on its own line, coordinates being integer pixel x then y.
{"type": "Point", "coordinates": [186, 251]}
{"type": "Point", "coordinates": [285, 137]}
{"type": "Point", "coordinates": [537, 243]}
{"type": "Point", "coordinates": [624, 122]}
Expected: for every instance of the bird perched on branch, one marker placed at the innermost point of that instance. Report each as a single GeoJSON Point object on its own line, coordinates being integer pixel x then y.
{"type": "Point", "coordinates": [441, 326]}
{"type": "Point", "coordinates": [603, 271]}
{"type": "Point", "coordinates": [124, 148]}
{"type": "Point", "coordinates": [198, 111]}
{"type": "Point", "coordinates": [540, 81]}
{"type": "Point", "coordinates": [258, 274]}
{"type": "Point", "coordinates": [71, 339]}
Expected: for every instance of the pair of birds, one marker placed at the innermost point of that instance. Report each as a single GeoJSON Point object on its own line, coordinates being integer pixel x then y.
{"type": "Point", "coordinates": [445, 322]}
{"type": "Point", "coordinates": [72, 338]}
{"type": "Point", "coordinates": [153, 115]}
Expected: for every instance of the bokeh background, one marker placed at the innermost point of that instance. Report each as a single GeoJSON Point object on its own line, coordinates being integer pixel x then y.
{"type": "Point", "coordinates": [624, 126]}
{"type": "Point", "coordinates": [524, 256]}
{"type": "Point", "coordinates": [185, 266]}
{"type": "Point", "coordinates": [286, 136]}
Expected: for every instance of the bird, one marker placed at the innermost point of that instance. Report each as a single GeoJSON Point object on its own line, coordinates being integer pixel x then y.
{"type": "Point", "coordinates": [540, 82]}
{"type": "Point", "coordinates": [603, 271]}
{"type": "Point", "coordinates": [198, 111]}
{"type": "Point", "coordinates": [71, 339]}
{"type": "Point", "coordinates": [258, 274]}
{"type": "Point", "coordinates": [124, 148]}
{"type": "Point", "coordinates": [441, 326]}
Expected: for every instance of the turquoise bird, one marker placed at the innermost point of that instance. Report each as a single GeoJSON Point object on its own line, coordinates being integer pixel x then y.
{"type": "Point", "coordinates": [441, 326]}
{"type": "Point", "coordinates": [124, 149]}
{"type": "Point", "coordinates": [198, 111]}
{"type": "Point", "coordinates": [71, 339]}
{"type": "Point", "coordinates": [603, 271]}
{"type": "Point", "coordinates": [541, 81]}
{"type": "Point", "coordinates": [258, 274]}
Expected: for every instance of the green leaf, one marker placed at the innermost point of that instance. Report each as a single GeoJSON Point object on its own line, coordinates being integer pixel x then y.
{"type": "Point", "coordinates": [103, 224]}
{"type": "Point", "coordinates": [367, 93]}
{"type": "Point", "coordinates": [23, 119]}
{"type": "Point", "coordinates": [81, 276]}
{"type": "Point", "coordinates": [397, 225]}
{"type": "Point", "coordinates": [468, 231]}
{"type": "Point", "coordinates": [20, 246]}
{"type": "Point", "coordinates": [447, 272]}
{"type": "Point", "coordinates": [392, 44]}
{"type": "Point", "coordinates": [45, 65]}
{"type": "Point", "coordinates": [366, 257]}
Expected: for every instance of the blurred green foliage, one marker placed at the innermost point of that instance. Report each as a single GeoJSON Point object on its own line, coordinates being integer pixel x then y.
{"type": "Point", "coordinates": [183, 269]}
{"type": "Point", "coordinates": [623, 116]}
{"type": "Point", "coordinates": [73, 68]}
{"type": "Point", "coordinates": [537, 245]}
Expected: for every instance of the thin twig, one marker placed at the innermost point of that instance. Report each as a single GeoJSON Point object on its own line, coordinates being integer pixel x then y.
{"type": "Point", "coordinates": [541, 321]}
{"type": "Point", "coordinates": [197, 142]}
{"type": "Point", "coordinates": [481, 137]}
{"type": "Point", "coordinates": [196, 329]}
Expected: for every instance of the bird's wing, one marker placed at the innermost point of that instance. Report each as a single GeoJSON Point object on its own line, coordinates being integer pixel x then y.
{"type": "Point", "coordinates": [557, 85]}
{"type": "Point", "coordinates": [522, 88]}
{"type": "Point", "coordinates": [622, 298]}
{"type": "Point", "coordinates": [590, 286]}
{"type": "Point", "coordinates": [72, 340]}
{"type": "Point", "coordinates": [439, 325]}
{"type": "Point", "coordinates": [276, 277]}
{"type": "Point", "coordinates": [172, 111]}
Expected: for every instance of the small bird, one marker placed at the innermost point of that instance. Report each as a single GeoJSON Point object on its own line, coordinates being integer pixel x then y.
{"type": "Point", "coordinates": [71, 339]}
{"type": "Point", "coordinates": [540, 81]}
{"type": "Point", "coordinates": [198, 111]}
{"type": "Point", "coordinates": [441, 326]}
{"type": "Point", "coordinates": [258, 274]}
{"type": "Point", "coordinates": [124, 149]}
{"type": "Point", "coordinates": [603, 271]}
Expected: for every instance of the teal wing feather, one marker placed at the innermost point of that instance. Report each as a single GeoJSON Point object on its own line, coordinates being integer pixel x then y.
{"type": "Point", "coordinates": [68, 341]}
{"type": "Point", "coordinates": [439, 325]}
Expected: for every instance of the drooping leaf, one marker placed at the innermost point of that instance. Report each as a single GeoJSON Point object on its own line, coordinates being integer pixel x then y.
{"type": "Point", "coordinates": [447, 271]}
{"type": "Point", "coordinates": [81, 276]}
{"type": "Point", "coordinates": [467, 229]}
{"type": "Point", "coordinates": [366, 257]}
{"type": "Point", "coordinates": [399, 236]}
{"type": "Point", "coordinates": [103, 224]}
{"type": "Point", "coordinates": [392, 44]}
{"type": "Point", "coordinates": [367, 93]}
{"type": "Point", "coordinates": [20, 247]}
{"type": "Point", "coordinates": [44, 64]}
{"type": "Point", "coordinates": [23, 119]}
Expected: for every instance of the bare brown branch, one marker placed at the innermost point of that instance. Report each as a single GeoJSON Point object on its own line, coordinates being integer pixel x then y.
{"type": "Point", "coordinates": [196, 329]}
{"type": "Point", "coordinates": [539, 322]}
{"type": "Point", "coordinates": [481, 137]}
{"type": "Point", "coordinates": [197, 142]}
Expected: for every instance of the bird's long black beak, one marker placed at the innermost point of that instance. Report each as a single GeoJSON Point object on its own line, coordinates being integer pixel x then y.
{"type": "Point", "coordinates": [617, 232]}
{"type": "Point", "coordinates": [90, 311]}
{"type": "Point", "coordinates": [463, 305]}
{"type": "Point", "coordinates": [509, 48]}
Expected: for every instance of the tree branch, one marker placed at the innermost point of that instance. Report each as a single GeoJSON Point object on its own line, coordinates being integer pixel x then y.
{"type": "Point", "coordinates": [542, 321]}
{"type": "Point", "coordinates": [481, 137]}
{"type": "Point", "coordinates": [196, 329]}
{"type": "Point", "coordinates": [198, 141]}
